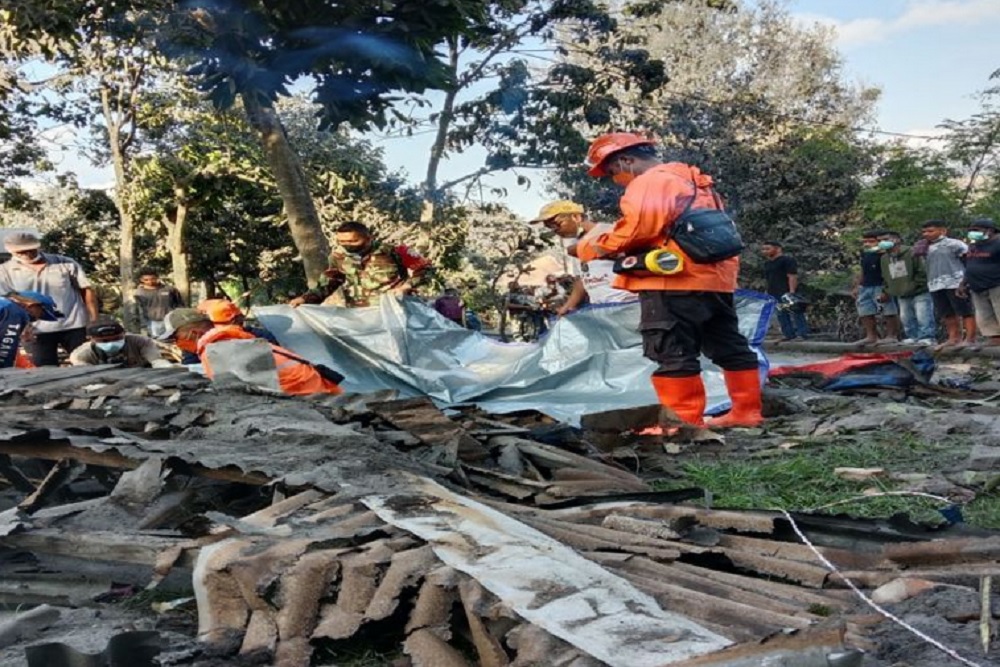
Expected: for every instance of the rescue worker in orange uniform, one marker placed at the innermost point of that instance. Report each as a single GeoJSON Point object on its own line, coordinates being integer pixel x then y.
{"type": "Point", "coordinates": [223, 313]}
{"type": "Point", "coordinates": [686, 313]}
{"type": "Point", "coordinates": [193, 331]}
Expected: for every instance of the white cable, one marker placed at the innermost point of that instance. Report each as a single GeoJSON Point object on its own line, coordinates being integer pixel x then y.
{"type": "Point", "coordinates": [885, 612]}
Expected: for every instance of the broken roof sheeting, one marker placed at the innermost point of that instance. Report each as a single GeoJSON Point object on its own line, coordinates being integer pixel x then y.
{"type": "Point", "coordinates": [546, 582]}
{"type": "Point", "coordinates": [591, 361]}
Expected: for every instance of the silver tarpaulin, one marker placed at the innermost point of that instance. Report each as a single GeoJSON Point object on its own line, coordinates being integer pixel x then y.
{"type": "Point", "coordinates": [590, 361]}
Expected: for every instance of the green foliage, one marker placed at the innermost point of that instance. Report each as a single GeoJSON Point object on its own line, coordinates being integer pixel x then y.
{"type": "Point", "coordinates": [80, 223]}
{"type": "Point", "coordinates": [20, 152]}
{"type": "Point", "coordinates": [210, 164]}
{"type": "Point", "coordinates": [911, 187]}
{"type": "Point", "coordinates": [357, 52]}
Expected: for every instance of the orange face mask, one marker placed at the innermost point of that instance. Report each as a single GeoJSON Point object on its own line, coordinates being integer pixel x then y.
{"type": "Point", "coordinates": [623, 178]}
{"type": "Point", "coordinates": [187, 345]}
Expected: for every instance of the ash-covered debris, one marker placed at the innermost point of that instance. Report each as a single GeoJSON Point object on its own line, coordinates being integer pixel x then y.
{"type": "Point", "coordinates": [246, 528]}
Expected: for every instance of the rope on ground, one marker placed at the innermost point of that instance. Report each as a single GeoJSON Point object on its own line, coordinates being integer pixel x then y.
{"type": "Point", "coordinates": [871, 603]}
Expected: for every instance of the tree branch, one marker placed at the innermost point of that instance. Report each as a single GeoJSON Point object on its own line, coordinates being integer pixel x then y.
{"type": "Point", "coordinates": [513, 37]}
{"type": "Point", "coordinates": [478, 173]}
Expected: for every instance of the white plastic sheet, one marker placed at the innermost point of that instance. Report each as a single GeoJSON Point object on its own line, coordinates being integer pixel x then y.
{"type": "Point", "coordinates": [589, 362]}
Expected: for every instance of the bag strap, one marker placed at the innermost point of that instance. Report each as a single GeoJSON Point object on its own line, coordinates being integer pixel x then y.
{"type": "Point", "coordinates": [289, 355]}
{"type": "Point", "coordinates": [324, 371]}
{"type": "Point", "coordinates": [687, 209]}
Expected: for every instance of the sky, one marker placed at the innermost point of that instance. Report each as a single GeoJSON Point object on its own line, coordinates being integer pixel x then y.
{"type": "Point", "coordinates": [928, 57]}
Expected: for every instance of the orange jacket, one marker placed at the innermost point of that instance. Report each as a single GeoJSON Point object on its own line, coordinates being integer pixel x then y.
{"type": "Point", "coordinates": [294, 377]}
{"type": "Point", "coordinates": [651, 204]}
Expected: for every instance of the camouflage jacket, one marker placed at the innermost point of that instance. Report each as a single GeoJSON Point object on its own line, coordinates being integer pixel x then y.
{"type": "Point", "coordinates": [362, 280]}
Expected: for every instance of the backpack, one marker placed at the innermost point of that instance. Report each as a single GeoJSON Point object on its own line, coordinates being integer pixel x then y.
{"type": "Point", "coordinates": [706, 235]}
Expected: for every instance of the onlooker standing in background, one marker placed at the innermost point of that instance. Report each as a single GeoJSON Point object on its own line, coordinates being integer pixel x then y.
{"type": "Point", "coordinates": [782, 274]}
{"type": "Point", "coordinates": [868, 286]}
{"type": "Point", "coordinates": [982, 277]}
{"type": "Point", "coordinates": [61, 279]}
{"type": "Point", "coordinates": [905, 277]}
{"type": "Point", "coordinates": [155, 299]}
{"type": "Point", "coordinates": [945, 272]}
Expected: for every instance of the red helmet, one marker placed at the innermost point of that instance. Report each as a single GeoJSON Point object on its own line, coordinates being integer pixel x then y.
{"type": "Point", "coordinates": [607, 145]}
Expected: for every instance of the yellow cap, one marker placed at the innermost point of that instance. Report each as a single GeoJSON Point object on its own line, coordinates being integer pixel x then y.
{"type": "Point", "coordinates": [555, 208]}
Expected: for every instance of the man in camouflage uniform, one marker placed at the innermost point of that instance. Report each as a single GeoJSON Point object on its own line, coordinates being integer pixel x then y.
{"type": "Point", "coordinates": [363, 269]}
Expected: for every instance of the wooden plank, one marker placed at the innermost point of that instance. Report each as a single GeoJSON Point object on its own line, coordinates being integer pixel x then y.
{"type": "Point", "coordinates": [774, 589]}
{"type": "Point", "coordinates": [800, 552]}
{"type": "Point", "coordinates": [62, 473]}
{"type": "Point", "coordinates": [944, 552]}
{"type": "Point", "coordinates": [54, 450]}
{"type": "Point", "coordinates": [744, 621]}
{"type": "Point", "coordinates": [553, 457]}
{"type": "Point", "coordinates": [421, 418]}
{"type": "Point", "coordinates": [807, 648]}
{"type": "Point", "coordinates": [100, 546]}
{"type": "Point", "coordinates": [672, 575]}
{"type": "Point", "coordinates": [588, 538]}
{"type": "Point", "coordinates": [814, 576]}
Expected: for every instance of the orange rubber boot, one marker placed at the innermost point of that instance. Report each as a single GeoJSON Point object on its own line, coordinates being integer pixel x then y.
{"type": "Point", "coordinates": [744, 392]}
{"type": "Point", "coordinates": [685, 396]}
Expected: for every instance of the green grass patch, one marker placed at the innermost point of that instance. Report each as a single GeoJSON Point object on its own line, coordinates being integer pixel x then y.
{"type": "Point", "coordinates": [358, 656]}
{"type": "Point", "coordinates": [144, 599]}
{"type": "Point", "coordinates": [803, 479]}
{"type": "Point", "coordinates": [984, 511]}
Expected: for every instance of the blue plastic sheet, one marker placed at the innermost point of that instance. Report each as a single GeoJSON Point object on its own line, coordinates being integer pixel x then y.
{"type": "Point", "coordinates": [590, 361]}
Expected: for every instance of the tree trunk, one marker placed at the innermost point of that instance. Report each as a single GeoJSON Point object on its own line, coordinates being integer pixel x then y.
{"type": "Point", "coordinates": [441, 140]}
{"type": "Point", "coordinates": [126, 248]}
{"type": "Point", "coordinates": [303, 220]}
{"type": "Point", "coordinates": [176, 230]}
{"type": "Point", "coordinates": [502, 311]}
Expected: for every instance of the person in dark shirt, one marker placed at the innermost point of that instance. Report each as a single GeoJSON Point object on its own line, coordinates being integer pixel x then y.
{"type": "Point", "coordinates": [155, 300]}
{"type": "Point", "coordinates": [782, 274]}
{"type": "Point", "coordinates": [867, 292]}
{"type": "Point", "coordinates": [982, 277]}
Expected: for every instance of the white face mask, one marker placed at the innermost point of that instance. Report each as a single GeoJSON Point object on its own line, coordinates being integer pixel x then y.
{"type": "Point", "coordinates": [111, 346]}
{"type": "Point", "coordinates": [24, 259]}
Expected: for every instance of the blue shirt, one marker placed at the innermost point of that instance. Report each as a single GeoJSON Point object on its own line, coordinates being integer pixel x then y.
{"type": "Point", "coordinates": [13, 321]}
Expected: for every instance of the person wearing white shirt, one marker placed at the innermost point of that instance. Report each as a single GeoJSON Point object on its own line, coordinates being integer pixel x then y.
{"type": "Point", "coordinates": [568, 220]}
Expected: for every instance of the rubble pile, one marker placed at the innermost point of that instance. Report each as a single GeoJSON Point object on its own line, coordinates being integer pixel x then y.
{"type": "Point", "coordinates": [303, 526]}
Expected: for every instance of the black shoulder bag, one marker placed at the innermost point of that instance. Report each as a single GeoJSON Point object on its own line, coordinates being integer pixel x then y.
{"type": "Point", "coordinates": [706, 235]}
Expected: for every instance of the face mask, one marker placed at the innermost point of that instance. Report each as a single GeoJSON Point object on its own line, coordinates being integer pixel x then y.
{"type": "Point", "coordinates": [623, 178]}
{"type": "Point", "coordinates": [886, 245]}
{"type": "Point", "coordinates": [977, 236]}
{"type": "Point", "coordinates": [111, 346]}
{"type": "Point", "coordinates": [24, 259]}
{"type": "Point", "coordinates": [871, 248]}
{"type": "Point", "coordinates": [354, 250]}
